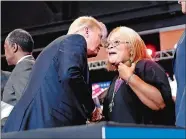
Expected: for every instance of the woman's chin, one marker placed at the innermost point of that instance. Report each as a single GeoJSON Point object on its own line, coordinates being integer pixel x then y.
{"type": "Point", "coordinates": [114, 63]}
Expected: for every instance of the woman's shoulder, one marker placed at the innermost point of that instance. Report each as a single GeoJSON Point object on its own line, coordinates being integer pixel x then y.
{"type": "Point", "coordinates": [147, 62]}
{"type": "Point", "coordinates": [146, 65]}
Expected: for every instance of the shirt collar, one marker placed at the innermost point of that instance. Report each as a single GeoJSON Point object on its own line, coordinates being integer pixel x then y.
{"type": "Point", "coordinates": [21, 59]}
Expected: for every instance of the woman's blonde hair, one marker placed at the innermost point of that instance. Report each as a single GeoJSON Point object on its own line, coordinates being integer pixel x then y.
{"type": "Point", "coordinates": [83, 21]}
{"type": "Point", "coordinates": [138, 47]}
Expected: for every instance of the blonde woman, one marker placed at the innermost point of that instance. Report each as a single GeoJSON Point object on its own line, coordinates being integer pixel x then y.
{"type": "Point", "coordinates": [140, 93]}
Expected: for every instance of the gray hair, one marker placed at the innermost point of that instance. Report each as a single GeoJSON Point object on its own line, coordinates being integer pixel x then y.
{"type": "Point", "coordinates": [21, 38]}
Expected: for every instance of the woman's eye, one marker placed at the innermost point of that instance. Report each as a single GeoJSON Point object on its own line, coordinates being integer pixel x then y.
{"type": "Point", "coordinates": [116, 42]}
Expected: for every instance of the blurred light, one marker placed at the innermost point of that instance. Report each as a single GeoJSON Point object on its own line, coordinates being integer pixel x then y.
{"type": "Point", "coordinates": [149, 51]}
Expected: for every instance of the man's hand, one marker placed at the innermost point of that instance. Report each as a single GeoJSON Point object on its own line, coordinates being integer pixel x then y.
{"type": "Point", "coordinates": [97, 115]}
{"type": "Point", "coordinates": [125, 72]}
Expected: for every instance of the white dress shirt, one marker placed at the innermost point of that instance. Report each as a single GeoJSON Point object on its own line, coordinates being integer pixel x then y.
{"type": "Point", "coordinates": [5, 109]}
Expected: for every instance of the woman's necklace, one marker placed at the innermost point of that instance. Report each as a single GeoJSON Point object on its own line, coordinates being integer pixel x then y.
{"type": "Point", "coordinates": [118, 83]}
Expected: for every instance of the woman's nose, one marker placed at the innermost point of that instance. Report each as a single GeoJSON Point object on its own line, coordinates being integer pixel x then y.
{"type": "Point", "coordinates": [110, 47]}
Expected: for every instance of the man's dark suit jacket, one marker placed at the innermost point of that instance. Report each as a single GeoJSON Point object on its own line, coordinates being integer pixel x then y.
{"type": "Point", "coordinates": [180, 74]}
{"type": "Point", "coordinates": [4, 78]}
{"type": "Point", "coordinates": [58, 92]}
{"type": "Point", "coordinates": [17, 81]}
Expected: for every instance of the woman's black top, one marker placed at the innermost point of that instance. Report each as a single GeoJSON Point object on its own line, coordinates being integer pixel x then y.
{"type": "Point", "coordinates": [128, 108]}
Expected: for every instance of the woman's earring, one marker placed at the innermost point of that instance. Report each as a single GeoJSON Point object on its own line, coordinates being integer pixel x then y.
{"type": "Point", "coordinates": [130, 61]}
{"type": "Point", "coordinates": [131, 58]}
{"type": "Point", "coordinates": [131, 53]}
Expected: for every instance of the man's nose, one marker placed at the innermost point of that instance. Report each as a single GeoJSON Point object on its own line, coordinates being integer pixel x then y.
{"type": "Point", "coordinates": [100, 45]}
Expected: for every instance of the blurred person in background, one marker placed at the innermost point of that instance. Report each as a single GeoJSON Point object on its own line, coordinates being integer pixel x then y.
{"type": "Point", "coordinates": [180, 74]}
{"type": "Point", "coordinates": [18, 51]}
{"type": "Point", "coordinates": [59, 92]}
{"type": "Point", "coordinates": [140, 93]}
{"type": "Point", "coordinates": [4, 78]}
{"type": "Point", "coordinates": [5, 108]}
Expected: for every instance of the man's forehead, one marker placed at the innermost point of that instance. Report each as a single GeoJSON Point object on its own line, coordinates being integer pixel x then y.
{"type": "Point", "coordinates": [6, 41]}
{"type": "Point", "coordinates": [98, 31]}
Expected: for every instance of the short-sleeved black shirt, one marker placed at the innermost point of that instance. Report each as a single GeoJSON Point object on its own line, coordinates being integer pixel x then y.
{"type": "Point", "coordinates": [128, 108]}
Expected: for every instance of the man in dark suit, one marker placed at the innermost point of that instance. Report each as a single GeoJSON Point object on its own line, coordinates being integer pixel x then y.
{"type": "Point", "coordinates": [180, 74]}
{"type": "Point", "coordinates": [18, 48]}
{"type": "Point", "coordinates": [4, 78]}
{"type": "Point", "coordinates": [59, 92]}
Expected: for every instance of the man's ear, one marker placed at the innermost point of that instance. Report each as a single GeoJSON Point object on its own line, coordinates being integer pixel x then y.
{"type": "Point", "coordinates": [15, 47]}
{"type": "Point", "coordinates": [86, 32]}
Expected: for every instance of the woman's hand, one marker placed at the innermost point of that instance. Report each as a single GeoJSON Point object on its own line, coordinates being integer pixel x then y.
{"type": "Point", "coordinates": [125, 72]}
{"type": "Point", "coordinates": [148, 94]}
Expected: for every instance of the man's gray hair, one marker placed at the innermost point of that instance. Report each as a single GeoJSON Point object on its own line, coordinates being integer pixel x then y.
{"type": "Point", "coordinates": [21, 38]}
